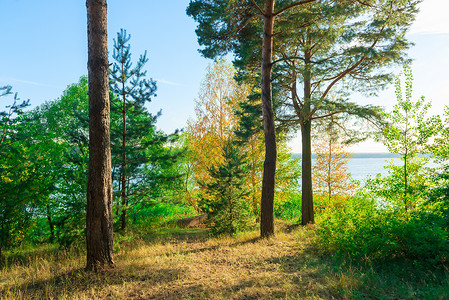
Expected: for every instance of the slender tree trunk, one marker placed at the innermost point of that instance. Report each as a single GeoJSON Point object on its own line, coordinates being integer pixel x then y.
{"type": "Point", "coordinates": [405, 181]}
{"type": "Point", "coordinates": [124, 192]}
{"type": "Point", "coordinates": [405, 162]}
{"type": "Point", "coordinates": [50, 224]}
{"type": "Point", "coordinates": [269, 170]}
{"type": "Point", "coordinates": [329, 171]}
{"type": "Point", "coordinates": [306, 126]}
{"type": "Point", "coordinates": [254, 181]}
{"type": "Point", "coordinates": [231, 215]}
{"type": "Point", "coordinates": [2, 241]}
{"type": "Point", "coordinates": [99, 186]}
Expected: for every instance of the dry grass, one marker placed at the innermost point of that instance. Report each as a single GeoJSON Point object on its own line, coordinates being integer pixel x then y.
{"type": "Point", "coordinates": [189, 265]}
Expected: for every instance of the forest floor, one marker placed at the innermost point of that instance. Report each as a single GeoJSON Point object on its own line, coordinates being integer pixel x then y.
{"type": "Point", "coordinates": [188, 264]}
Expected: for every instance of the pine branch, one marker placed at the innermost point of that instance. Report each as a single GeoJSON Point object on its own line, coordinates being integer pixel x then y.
{"type": "Point", "coordinates": [291, 6]}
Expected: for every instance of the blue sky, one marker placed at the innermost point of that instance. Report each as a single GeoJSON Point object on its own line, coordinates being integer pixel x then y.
{"type": "Point", "coordinates": [44, 49]}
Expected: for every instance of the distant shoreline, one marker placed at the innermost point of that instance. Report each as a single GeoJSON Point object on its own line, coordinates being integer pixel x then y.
{"type": "Point", "coordinates": [362, 155]}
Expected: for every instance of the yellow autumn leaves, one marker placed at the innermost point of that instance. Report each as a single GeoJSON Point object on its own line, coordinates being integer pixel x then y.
{"type": "Point", "coordinates": [214, 124]}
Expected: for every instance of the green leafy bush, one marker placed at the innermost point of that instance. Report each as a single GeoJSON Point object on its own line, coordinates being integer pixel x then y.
{"type": "Point", "coordinates": [149, 215]}
{"type": "Point", "coordinates": [362, 230]}
{"type": "Point", "coordinates": [289, 208]}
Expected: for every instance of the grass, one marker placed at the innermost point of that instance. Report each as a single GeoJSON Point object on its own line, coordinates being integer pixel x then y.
{"type": "Point", "coordinates": [188, 264]}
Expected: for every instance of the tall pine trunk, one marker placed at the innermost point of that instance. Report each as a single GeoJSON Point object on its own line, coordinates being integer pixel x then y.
{"type": "Point", "coordinates": [99, 186]}
{"type": "Point", "coordinates": [306, 126]}
{"type": "Point", "coordinates": [269, 168]}
{"type": "Point", "coordinates": [307, 192]}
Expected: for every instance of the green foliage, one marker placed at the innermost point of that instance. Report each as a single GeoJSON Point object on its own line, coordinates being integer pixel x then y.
{"type": "Point", "coordinates": [408, 129]}
{"type": "Point", "coordinates": [18, 167]}
{"type": "Point", "coordinates": [44, 168]}
{"type": "Point", "coordinates": [289, 208]}
{"type": "Point", "coordinates": [390, 189]}
{"type": "Point", "coordinates": [61, 129]}
{"type": "Point", "coordinates": [361, 230]}
{"type": "Point", "coordinates": [408, 132]}
{"type": "Point", "coordinates": [225, 199]}
{"type": "Point", "coordinates": [440, 146]}
{"type": "Point", "coordinates": [287, 193]}
{"type": "Point", "coordinates": [438, 194]}
{"type": "Point", "coordinates": [149, 215]}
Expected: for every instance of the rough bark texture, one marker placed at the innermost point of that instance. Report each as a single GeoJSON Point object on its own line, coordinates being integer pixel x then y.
{"type": "Point", "coordinates": [269, 168]}
{"type": "Point", "coordinates": [99, 186]}
{"type": "Point", "coordinates": [307, 191]}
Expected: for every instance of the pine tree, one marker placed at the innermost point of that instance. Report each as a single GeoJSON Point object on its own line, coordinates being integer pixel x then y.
{"type": "Point", "coordinates": [318, 43]}
{"type": "Point", "coordinates": [137, 146]}
{"type": "Point", "coordinates": [344, 48]}
{"type": "Point", "coordinates": [238, 23]}
{"type": "Point", "coordinates": [225, 197]}
{"type": "Point", "coordinates": [99, 186]}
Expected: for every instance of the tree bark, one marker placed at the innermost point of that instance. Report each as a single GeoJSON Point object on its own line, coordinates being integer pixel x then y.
{"type": "Point", "coordinates": [99, 186]}
{"type": "Point", "coordinates": [306, 126]}
{"type": "Point", "coordinates": [269, 170]}
{"type": "Point", "coordinates": [307, 192]}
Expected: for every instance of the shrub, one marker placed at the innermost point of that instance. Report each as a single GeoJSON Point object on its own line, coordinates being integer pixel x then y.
{"type": "Point", "coordinates": [362, 230]}
{"type": "Point", "coordinates": [289, 208]}
{"type": "Point", "coordinates": [149, 215]}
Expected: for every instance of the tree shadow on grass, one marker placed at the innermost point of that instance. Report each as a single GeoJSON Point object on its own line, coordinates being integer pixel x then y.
{"type": "Point", "coordinates": [308, 275]}
{"type": "Point", "coordinates": [189, 291]}
{"type": "Point", "coordinates": [188, 236]}
{"type": "Point", "coordinates": [175, 234]}
{"type": "Point", "coordinates": [215, 247]}
{"type": "Point", "coordinates": [332, 277]}
{"type": "Point", "coordinates": [245, 289]}
{"type": "Point", "coordinates": [24, 257]}
{"type": "Point", "coordinates": [81, 281]}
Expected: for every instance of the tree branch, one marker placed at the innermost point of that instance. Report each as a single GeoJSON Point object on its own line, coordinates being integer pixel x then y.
{"type": "Point", "coordinates": [291, 6]}
{"type": "Point", "coordinates": [297, 57]}
{"type": "Point", "coordinates": [247, 22]}
{"type": "Point", "coordinates": [326, 116]}
{"type": "Point", "coordinates": [258, 8]}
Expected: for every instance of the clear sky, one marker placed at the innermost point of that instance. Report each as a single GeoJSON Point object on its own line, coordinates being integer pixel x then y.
{"type": "Point", "coordinates": [44, 48]}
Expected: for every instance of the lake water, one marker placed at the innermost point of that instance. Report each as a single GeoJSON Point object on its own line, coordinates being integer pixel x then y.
{"type": "Point", "coordinates": [363, 164]}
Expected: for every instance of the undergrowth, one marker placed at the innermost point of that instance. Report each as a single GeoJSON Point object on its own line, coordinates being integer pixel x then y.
{"type": "Point", "coordinates": [175, 263]}
{"type": "Point", "coordinates": [362, 230]}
